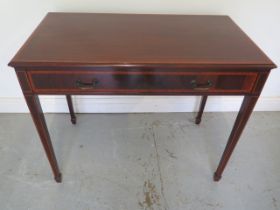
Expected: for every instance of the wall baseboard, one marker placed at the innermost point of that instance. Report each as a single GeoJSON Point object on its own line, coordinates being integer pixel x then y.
{"type": "Point", "coordinates": [136, 104]}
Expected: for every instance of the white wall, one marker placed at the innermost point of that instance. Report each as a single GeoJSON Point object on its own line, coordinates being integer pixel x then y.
{"type": "Point", "coordinates": [259, 19]}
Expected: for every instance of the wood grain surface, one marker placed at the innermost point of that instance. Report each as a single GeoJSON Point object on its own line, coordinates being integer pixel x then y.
{"type": "Point", "coordinates": [85, 39]}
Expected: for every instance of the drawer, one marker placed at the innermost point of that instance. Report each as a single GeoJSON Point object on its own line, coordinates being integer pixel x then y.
{"type": "Point", "coordinates": [124, 82]}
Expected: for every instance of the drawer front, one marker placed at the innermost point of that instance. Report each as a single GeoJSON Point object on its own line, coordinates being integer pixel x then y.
{"type": "Point", "coordinates": [124, 82]}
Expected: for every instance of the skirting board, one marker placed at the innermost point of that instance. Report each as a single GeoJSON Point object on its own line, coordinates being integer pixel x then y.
{"type": "Point", "coordinates": [136, 104]}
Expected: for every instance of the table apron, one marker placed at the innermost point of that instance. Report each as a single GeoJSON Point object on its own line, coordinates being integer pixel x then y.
{"type": "Point", "coordinates": [141, 83]}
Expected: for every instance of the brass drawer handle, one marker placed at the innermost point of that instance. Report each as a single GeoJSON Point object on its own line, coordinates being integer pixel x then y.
{"type": "Point", "coordinates": [87, 85]}
{"type": "Point", "coordinates": [204, 86]}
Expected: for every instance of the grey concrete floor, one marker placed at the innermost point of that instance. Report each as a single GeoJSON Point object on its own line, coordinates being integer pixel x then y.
{"type": "Point", "coordinates": [140, 161]}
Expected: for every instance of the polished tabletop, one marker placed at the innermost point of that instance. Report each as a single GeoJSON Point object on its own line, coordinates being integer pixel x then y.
{"type": "Point", "coordinates": [132, 39]}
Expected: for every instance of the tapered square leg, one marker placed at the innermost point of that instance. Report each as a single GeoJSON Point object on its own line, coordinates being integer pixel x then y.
{"type": "Point", "coordinates": [245, 111]}
{"type": "Point", "coordinates": [71, 109]}
{"type": "Point", "coordinates": [40, 123]}
{"type": "Point", "coordinates": [201, 109]}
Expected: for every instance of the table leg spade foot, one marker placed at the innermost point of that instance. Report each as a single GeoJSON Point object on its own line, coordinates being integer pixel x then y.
{"type": "Point", "coordinates": [58, 178]}
{"type": "Point", "coordinates": [217, 177]}
{"type": "Point", "coordinates": [73, 120]}
{"type": "Point", "coordinates": [197, 120]}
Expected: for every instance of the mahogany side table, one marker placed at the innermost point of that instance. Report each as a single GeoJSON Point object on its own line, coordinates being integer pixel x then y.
{"type": "Point", "coordinates": [124, 54]}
